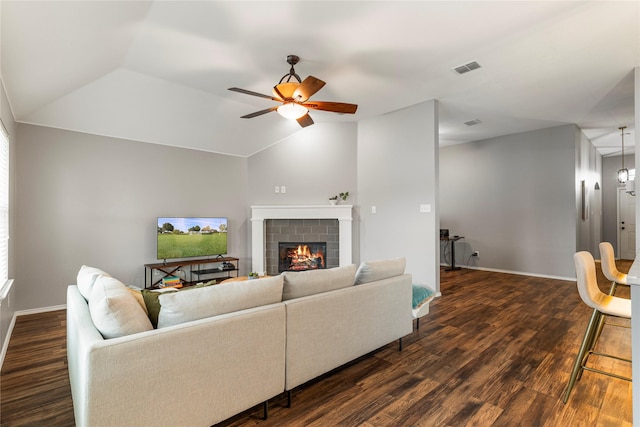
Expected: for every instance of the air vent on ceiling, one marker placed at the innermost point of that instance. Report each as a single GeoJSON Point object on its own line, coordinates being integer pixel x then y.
{"type": "Point", "coordinates": [473, 122]}
{"type": "Point", "coordinates": [473, 65]}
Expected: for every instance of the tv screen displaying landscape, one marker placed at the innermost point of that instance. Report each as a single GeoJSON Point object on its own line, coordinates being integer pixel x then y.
{"type": "Point", "coordinates": [191, 237]}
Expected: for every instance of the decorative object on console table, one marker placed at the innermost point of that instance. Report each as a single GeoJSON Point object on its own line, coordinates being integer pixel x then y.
{"type": "Point", "coordinates": [171, 282]}
{"type": "Point", "coordinates": [252, 275]}
{"type": "Point", "coordinates": [333, 200]}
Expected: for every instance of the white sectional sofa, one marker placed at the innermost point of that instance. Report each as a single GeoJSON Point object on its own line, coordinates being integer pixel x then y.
{"type": "Point", "coordinates": [204, 365]}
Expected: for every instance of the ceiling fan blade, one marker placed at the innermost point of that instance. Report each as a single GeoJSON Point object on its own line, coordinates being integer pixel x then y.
{"type": "Point", "coordinates": [307, 88]}
{"type": "Point", "coordinates": [305, 120]}
{"type": "Point", "coordinates": [249, 92]}
{"type": "Point", "coordinates": [335, 107]}
{"type": "Point", "coordinates": [259, 113]}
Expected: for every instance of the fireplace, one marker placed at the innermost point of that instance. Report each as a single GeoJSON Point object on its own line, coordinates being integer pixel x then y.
{"type": "Point", "coordinates": [301, 256]}
{"type": "Point", "coordinates": [262, 240]}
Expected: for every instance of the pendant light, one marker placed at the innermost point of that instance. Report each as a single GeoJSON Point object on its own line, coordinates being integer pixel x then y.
{"type": "Point", "coordinates": [623, 174]}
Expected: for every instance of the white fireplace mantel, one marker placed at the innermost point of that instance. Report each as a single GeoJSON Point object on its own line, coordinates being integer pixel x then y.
{"type": "Point", "coordinates": [343, 213]}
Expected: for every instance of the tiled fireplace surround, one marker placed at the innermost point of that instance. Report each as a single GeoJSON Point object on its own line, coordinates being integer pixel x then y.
{"type": "Point", "coordinates": [271, 224]}
{"type": "Point", "coordinates": [300, 230]}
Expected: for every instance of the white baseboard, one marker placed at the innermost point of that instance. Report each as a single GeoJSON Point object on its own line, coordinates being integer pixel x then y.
{"type": "Point", "coordinates": [519, 273]}
{"type": "Point", "coordinates": [41, 310]}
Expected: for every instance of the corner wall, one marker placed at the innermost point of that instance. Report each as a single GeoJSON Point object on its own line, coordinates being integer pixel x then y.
{"type": "Point", "coordinates": [397, 173]}
{"type": "Point", "coordinates": [588, 169]}
{"type": "Point", "coordinates": [313, 164]}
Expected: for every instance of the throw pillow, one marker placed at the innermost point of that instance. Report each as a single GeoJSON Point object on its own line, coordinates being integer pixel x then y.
{"type": "Point", "coordinates": [114, 311]}
{"type": "Point", "coordinates": [152, 302]}
{"type": "Point", "coordinates": [199, 303]}
{"type": "Point", "coordinates": [137, 294]}
{"type": "Point", "coordinates": [86, 278]}
{"type": "Point", "coordinates": [421, 295]}
{"type": "Point", "coordinates": [371, 271]}
{"type": "Point", "coordinates": [302, 283]}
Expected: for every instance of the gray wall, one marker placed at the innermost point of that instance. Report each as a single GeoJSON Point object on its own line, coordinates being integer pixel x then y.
{"type": "Point", "coordinates": [313, 164]}
{"type": "Point", "coordinates": [610, 167]}
{"type": "Point", "coordinates": [513, 199]}
{"type": "Point", "coordinates": [398, 172]}
{"type": "Point", "coordinates": [86, 199]}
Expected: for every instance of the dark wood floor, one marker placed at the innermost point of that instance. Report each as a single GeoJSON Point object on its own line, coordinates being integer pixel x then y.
{"type": "Point", "coordinates": [496, 350]}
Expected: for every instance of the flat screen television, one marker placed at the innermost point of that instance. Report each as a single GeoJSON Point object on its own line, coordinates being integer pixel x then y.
{"type": "Point", "coordinates": [191, 237]}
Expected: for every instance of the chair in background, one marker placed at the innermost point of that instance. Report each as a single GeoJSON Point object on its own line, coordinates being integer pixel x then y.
{"type": "Point", "coordinates": [603, 305]}
{"type": "Point", "coordinates": [609, 268]}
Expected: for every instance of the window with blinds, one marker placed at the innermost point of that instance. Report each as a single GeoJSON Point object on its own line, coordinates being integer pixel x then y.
{"type": "Point", "coordinates": [4, 206]}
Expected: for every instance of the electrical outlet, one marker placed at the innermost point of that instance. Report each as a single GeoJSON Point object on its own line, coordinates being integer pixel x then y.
{"type": "Point", "coordinates": [476, 253]}
{"type": "Point", "coordinates": [276, 189]}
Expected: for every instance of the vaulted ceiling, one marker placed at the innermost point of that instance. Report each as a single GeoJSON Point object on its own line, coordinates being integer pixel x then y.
{"type": "Point", "coordinates": [158, 71]}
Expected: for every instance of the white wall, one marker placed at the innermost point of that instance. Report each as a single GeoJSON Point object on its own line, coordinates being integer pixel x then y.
{"type": "Point", "coordinates": [86, 199]}
{"type": "Point", "coordinates": [397, 172]}
{"type": "Point", "coordinates": [513, 199]}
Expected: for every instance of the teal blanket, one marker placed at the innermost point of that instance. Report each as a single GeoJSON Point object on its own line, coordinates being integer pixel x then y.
{"type": "Point", "coordinates": [420, 294]}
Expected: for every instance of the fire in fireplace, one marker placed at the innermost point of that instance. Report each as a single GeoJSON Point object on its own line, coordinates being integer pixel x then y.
{"type": "Point", "coordinates": [301, 256]}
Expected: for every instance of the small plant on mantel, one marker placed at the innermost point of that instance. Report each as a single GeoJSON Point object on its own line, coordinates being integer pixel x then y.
{"type": "Point", "coordinates": [333, 200]}
{"type": "Point", "coordinates": [344, 196]}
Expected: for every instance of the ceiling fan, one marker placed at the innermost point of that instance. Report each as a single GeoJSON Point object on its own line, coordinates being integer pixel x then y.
{"type": "Point", "coordinates": [294, 97]}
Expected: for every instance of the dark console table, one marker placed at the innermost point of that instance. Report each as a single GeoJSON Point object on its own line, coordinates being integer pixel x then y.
{"type": "Point", "coordinates": [452, 240]}
{"type": "Point", "coordinates": [169, 268]}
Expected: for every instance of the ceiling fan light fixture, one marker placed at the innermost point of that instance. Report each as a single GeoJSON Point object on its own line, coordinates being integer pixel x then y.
{"type": "Point", "coordinates": [285, 89]}
{"type": "Point", "coordinates": [291, 110]}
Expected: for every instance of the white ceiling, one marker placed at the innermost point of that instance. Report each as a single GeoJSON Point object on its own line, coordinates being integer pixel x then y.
{"type": "Point", "coordinates": [159, 71]}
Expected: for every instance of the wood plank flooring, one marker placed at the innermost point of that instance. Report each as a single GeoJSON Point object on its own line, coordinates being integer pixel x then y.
{"type": "Point", "coordinates": [496, 350]}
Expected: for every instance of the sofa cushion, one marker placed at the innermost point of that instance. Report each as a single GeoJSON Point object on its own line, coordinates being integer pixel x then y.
{"type": "Point", "coordinates": [371, 271]}
{"type": "Point", "coordinates": [86, 278]}
{"type": "Point", "coordinates": [114, 310]}
{"type": "Point", "coordinates": [199, 303]}
{"type": "Point", "coordinates": [151, 299]}
{"type": "Point", "coordinates": [302, 283]}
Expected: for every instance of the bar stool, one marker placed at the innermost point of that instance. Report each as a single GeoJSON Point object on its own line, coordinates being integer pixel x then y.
{"type": "Point", "coordinates": [609, 268]}
{"type": "Point", "coordinates": [603, 305]}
